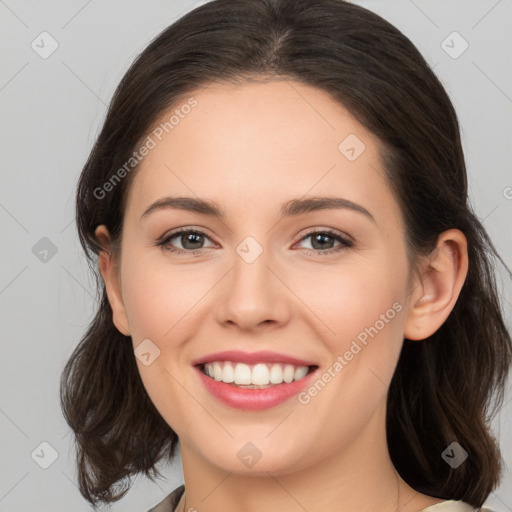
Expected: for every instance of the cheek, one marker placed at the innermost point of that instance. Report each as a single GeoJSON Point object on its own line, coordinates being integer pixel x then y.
{"type": "Point", "coordinates": [350, 298]}
{"type": "Point", "coordinates": [373, 323]}
{"type": "Point", "coordinates": [360, 311]}
{"type": "Point", "coordinates": [157, 294]}
{"type": "Point", "coordinates": [159, 299]}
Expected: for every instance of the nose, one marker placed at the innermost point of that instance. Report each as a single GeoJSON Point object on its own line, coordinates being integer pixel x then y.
{"type": "Point", "coordinates": [253, 295]}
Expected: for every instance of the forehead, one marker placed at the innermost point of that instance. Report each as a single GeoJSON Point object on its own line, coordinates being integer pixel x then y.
{"type": "Point", "coordinates": [263, 143]}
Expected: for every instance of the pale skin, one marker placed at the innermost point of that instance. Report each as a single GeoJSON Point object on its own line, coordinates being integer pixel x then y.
{"type": "Point", "coordinates": [250, 148]}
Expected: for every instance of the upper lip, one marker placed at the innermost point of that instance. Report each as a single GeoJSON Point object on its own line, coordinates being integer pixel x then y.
{"type": "Point", "coordinates": [263, 356]}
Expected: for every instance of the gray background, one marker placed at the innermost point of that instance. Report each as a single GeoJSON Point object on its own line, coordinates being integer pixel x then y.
{"type": "Point", "coordinates": [51, 111]}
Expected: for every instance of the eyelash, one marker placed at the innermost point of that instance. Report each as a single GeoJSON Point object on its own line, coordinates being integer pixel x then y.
{"type": "Point", "coordinates": [164, 242]}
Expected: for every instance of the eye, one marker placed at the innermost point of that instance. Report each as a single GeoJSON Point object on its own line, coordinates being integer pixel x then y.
{"type": "Point", "coordinates": [190, 240]}
{"type": "Point", "coordinates": [323, 240]}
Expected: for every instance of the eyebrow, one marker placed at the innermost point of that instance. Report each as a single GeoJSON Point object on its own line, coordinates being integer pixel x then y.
{"type": "Point", "coordinates": [290, 208]}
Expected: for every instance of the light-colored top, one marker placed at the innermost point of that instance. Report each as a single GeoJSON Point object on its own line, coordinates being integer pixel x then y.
{"type": "Point", "coordinates": [169, 503]}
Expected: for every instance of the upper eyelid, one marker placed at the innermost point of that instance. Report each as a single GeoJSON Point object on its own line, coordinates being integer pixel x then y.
{"type": "Point", "coordinates": [181, 231]}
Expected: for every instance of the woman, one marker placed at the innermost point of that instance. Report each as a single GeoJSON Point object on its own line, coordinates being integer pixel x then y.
{"type": "Point", "coordinates": [294, 284]}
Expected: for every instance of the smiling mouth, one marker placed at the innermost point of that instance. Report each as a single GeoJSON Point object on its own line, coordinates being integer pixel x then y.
{"type": "Point", "coordinates": [255, 376]}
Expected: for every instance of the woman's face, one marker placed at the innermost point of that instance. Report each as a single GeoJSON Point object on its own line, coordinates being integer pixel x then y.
{"type": "Point", "coordinates": [265, 276]}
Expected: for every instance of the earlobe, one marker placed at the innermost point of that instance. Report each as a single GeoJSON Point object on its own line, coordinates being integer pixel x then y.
{"type": "Point", "coordinates": [110, 275]}
{"type": "Point", "coordinates": [438, 287]}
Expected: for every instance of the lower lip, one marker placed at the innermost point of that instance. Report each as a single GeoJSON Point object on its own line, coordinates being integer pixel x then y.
{"type": "Point", "coordinates": [254, 399]}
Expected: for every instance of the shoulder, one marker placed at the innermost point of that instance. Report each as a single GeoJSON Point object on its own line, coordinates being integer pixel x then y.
{"type": "Point", "coordinates": [454, 506]}
{"type": "Point", "coordinates": [168, 504]}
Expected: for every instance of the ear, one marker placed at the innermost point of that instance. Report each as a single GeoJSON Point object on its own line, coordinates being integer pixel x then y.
{"type": "Point", "coordinates": [437, 288]}
{"type": "Point", "coordinates": [109, 271]}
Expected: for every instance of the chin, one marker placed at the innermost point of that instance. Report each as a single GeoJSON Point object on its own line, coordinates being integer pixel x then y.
{"type": "Point", "coordinates": [251, 458]}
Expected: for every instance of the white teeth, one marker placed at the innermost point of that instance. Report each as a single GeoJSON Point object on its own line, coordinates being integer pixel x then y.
{"type": "Point", "coordinates": [260, 374]}
{"type": "Point", "coordinates": [217, 371]}
{"type": "Point", "coordinates": [276, 374]}
{"type": "Point", "coordinates": [228, 373]}
{"type": "Point", "coordinates": [288, 373]}
{"type": "Point", "coordinates": [242, 374]}
{"type": "Point", "coordinates": [300, 372]}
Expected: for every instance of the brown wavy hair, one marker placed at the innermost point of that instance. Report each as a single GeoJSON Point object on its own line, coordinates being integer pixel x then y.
{"type": "Point", "coordinates": [446, 388]}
